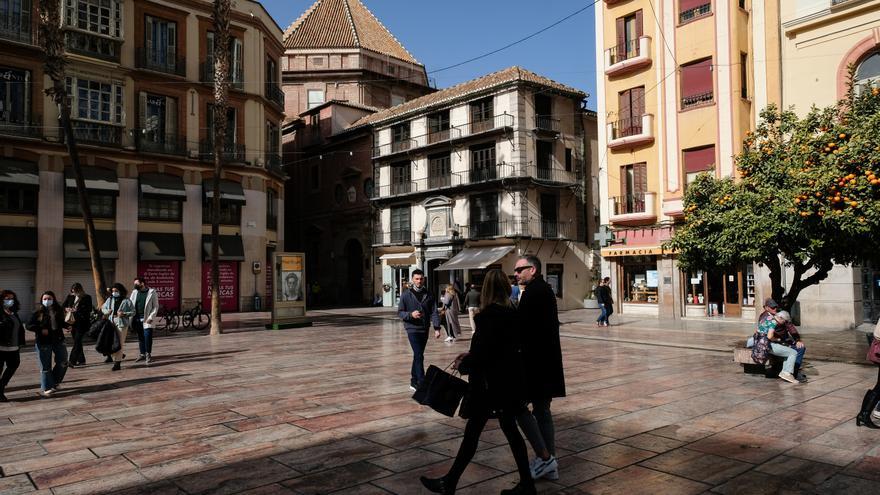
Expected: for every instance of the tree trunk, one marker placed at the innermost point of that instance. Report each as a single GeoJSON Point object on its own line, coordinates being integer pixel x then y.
{"type": "Point", "coordinates": [52, 41]}
{"type": "Point", "coordinates": [221, 103]}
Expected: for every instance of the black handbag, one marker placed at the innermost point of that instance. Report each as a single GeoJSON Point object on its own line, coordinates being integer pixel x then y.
{"type": "Point", "coordinates": [441, 391]}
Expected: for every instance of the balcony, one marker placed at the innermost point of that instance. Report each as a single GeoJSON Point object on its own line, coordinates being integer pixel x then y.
{"type": "Point", "coordinates": [170, 64]}
{"type": "Point", "coordinates": [695, 13]}
{"type": "Point", "coordinates": [554, 229]}
{"type": "Point", "coordinates": [699, 100]}
{"type": "Point", "coordinates": [17, 31]}
{"type": "Point", "coordinates": [633, 209]}
{"type": "Point", "coordinates": [92, 45]}
{"type": "Point", "coordinates": [275, 94]}
{"type": "Point", "coordinates": [502, 121]}
{"type": "Point", "coordinates": [232, 152]}
{"type": "Point", "coordinates": [546, 123]}
{"type": "Point", "coordinates": [21, 127]}
{"type": "Point", "coordinates": [631, 132]}
{"type": "Point", "coordinates": [273, 163]}
{"type": "Point", "coordinates": [484, 174]}
{"type": "Point", "coordinates": [395, 147]}
{"type": "Point", "coordinates": [442, 135]}
{"type": "Point", "coordinates": [165, 144]}
{"type": "Point", "coordinates": [497, 122]}
{"type": "Point", "coordinates": [236, 79]}
{"type": "Point", "coordinates": [628, 56]}
{"type": "Point", "coordinates": [97, 133]}
{"type": "Point", "coordinates": [393, 237]}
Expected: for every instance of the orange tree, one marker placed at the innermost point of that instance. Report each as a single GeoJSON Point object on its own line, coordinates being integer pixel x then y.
{"type": "Point", "coordinates": [806, 197]}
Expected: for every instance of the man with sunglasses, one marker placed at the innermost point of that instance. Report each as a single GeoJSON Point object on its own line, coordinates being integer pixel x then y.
{"type": "Point", "coordinates": [542, 355]}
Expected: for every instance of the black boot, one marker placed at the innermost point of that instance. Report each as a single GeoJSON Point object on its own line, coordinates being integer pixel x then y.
{"type": "Point", "coordinates": [108, 360]}
{"type": "Point", "coordinates": [868, 404]}
{"type": "Point", "coordinates": [117, 366]}
{"type": "Point", "coordinates": [438, 485]}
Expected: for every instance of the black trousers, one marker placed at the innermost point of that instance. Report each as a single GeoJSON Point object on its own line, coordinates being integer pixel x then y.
{"type": "Point", "coordinates": [9, 361]}
{"type": "Point", "coordinates": [77, 356]}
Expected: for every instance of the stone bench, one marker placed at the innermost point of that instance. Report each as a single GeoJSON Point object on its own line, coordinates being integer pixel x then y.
{"type": "Point", "coordinates": [743, 356]}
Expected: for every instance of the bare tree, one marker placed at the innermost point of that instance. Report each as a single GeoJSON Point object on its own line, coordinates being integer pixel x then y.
{"type": "Point", "coordinates": [221, 104]}
{"type": "Point", "coordinates": [52, 42]}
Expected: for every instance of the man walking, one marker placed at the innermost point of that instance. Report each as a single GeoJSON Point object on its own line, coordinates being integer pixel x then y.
{"type": "Point", "coordinates": [418, 311]}
{"type": "Point", "coordinates": [542, 356]}
{"type": "Point", "coordinates": [472, 299]}
{"type": "Point", "coordinates": [606, 302]}
{"type": "Point", "coordinates": [146, 306]}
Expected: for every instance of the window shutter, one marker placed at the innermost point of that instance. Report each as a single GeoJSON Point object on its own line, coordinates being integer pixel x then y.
{"type": "Point", "coordinates": [148, 35]}
{"type": "Point", "coordinates": [624, 173]}
{"type": "Point", "coordinates": [639, 27]}
{"type": "Point", "coordinates": [625, 104]}
{"type": "Point", "coordinates": [696, 78]}
{"type": "Point", "coordinates": [142, 99]}
{"type": "Point", "coordinates": [699, 159]}
{"type": "Point", "coordinates": [621, 34]}
{"type": "Point", "coordinates": [172, 45]}
{"type": "Point", "coordinates": [638, 103]}
{"type": "Point", "coordinates": [640, 178]}
{"type": "Point", "coordinates": [171, 116]}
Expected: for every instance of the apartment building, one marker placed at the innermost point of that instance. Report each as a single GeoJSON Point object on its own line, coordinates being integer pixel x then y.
{"type": "Point", "coordinates": [140, 79]}
{"type": "Point", "coordinates": [470, 177]}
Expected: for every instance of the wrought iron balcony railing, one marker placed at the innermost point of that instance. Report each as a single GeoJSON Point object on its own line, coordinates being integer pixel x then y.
{"type": "Point", "coordinates": [232, 152]}
{"type": "Point", "coordinates": [166, 144]}
{"type": "Point", "coordinates": [170, 64]}
{"type": "Point", "coordinates": [236, 75]}
{"type": "Point", "coordinates": [546, 123]}
{"type": "Point", "coordinates": [92, 45]}
{"type": "Point", "coordinates": [624, 51]}
{"type": "Point", "coordinates": [630, 203]}
{"type": "Point", "coordinates": [400, 236]}
{"type": "Point", "coordinates": [14, 29]}
{"type": "Point", "coordinates": [275, 94]}
{"type": "Point", "coordinates": [697, 100]}
{"type": "Point", "coordinates": [97, 133]}
{"type": "Point", "coordinates": [21, 127]}
{"type": "Point", "coordinates": [695, 13]}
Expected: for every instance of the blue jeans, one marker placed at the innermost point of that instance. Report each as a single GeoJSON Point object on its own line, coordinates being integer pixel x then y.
{"type": "Point", "coordinates": [603, 314]}
{"type": "Point", "coordinates": [786, 352]}
{"type": "Point", "coordinates": [418, 342]}
{"type": "Point", "coordinates": [145, 335]}
{"type": "Point", "coordinates": [51, 376]}
{"type": "Point", "coordinates": [799, 360]}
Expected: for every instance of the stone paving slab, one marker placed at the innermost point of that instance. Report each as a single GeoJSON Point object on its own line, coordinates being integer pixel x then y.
{"type": "Point", "coordinates": [327, 409]}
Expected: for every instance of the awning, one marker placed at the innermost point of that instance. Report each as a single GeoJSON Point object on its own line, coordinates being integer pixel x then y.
{"type": "Point", "coordinates": [231, 248]}
{"type": "Point", "coordinates": [162, 186]}
{"type": "Point", "coordinates": [476, 257]}
{"type": "Point", "coordinates": [399, 259]}
{"type": "Point", "coordinates": [96, 179]}
{"type": "Point", "coordinates": [229, 191]}
{"type": "Point", "coordinates": [75, 244]}
{"type": "Point", "coordinates": [19, 172]}
{"type": "Point", "coordinates": [18, 242]}
{"type": "Point", "coordinates": [155, 246]}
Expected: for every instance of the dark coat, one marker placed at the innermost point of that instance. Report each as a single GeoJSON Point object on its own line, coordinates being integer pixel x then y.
{"type": "Point", "coordinates": [409, 303]}
{"type": "Point", "coordinates": [603, 295]}
{"type": "Point", "coordinates": [108, 340]}
{"type": "Point", "coordinates": [7, 326]}
{"type": "Point", "coordinates": [494, 363]}
{"type": "Point", "coordinates": [83, 311]}
{"type": "Point", "coordinates": [48, 319]}
{"type": "Point", "coordinates": [542, 352]}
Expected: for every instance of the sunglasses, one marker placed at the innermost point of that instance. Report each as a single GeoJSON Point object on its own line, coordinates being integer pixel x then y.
{"type": "Point", "coordinates": [521, 268]}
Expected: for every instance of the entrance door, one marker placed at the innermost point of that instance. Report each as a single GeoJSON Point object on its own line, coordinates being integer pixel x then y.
{"type": "Point", "coordinates": [434, 284]}
{"type": "Point", "coordinates": [723, 293]}
{"type": "Point", "coordinates": [401, 276]}
{"type": "Point", "coordinates": [354, 257]}
{"type": "Point", "coordinates": [732, 294]}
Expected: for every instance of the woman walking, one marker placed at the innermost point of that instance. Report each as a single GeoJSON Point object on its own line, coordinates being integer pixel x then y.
{"type": "Point", "coordinates": [495, 387]}
{"type": "Point", "coordinates": [11, 340]}
{"type": "Point", "coordinates": [47, 323]}
{"type": "Point", "coordinates": [119, 309]}
{"type": "Point", "coordinates": [872, 397]}
{"type": "Point", "coordinates": [78, 311]}
{"type": "Point", "coordinates": [451, 309]}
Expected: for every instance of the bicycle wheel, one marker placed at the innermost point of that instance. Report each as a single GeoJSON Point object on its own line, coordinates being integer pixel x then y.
{"type": "Point", "coordinates": [175, 322]}
{"type": "Point", "coordinates": [201, 321]}
{"type": "Point", "coordinates": [186, 319]}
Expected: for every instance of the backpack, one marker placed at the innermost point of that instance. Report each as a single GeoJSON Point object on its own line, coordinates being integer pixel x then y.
{"type": "Point", "coordinates": [761, 350]}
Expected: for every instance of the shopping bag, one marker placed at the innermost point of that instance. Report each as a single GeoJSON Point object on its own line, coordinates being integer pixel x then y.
{"type": "Point", "coordinates": [441, 391]}
{"type": "Point", "coordinates": [874, 352]}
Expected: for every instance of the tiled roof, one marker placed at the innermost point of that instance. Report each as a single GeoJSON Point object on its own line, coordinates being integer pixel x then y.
{"type": "Point", "coordinates": [346, 103]}
{"type": "Point", "coordinates": [495, 79]}
{"type": "Point", "coordinates": [343, 24]}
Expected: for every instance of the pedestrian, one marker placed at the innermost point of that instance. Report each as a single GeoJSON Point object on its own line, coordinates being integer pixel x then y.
{"type": "Point", "coordinates": [47, 323]}
{"type": "Point", "coordinates": [11, 340]}
{"type": "Point", "coordinates": [120, 310]}
{"type": "Point", "coordinates": [418, 311]}
{"type": "Point", "coordinates": [545, 379]}
{"type": "Point", "coordinates": [495, 385]}
{"type": "Point", "coordinates": [472, 301]}
{"type": "Point", "coordinates": [77, 317]}
{"type": "Point", "coordinates": [451, 309]}
{"type": "Point", "coordinates": [514, 291]}
{"type": "Point", "coordinates": [606, 302]}
{"type": "Point", "coordinates": [146, 305]}
{"type": "Point", "coordinates": [770, 309]}
{"type": "Point", "coordinates": [872, 396]}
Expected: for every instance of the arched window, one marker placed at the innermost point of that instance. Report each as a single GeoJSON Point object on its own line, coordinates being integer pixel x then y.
{"type": "Point", "coordinates": [869, 70]}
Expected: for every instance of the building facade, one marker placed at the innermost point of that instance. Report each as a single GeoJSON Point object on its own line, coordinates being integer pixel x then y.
{"type": "Point", "coordinates": [470, 177]}
{"type": "Point", "coordinates": [140, 80]}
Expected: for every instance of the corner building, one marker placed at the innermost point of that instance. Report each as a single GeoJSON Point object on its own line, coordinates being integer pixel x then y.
{"type": "Point", "coordinates": [140, 78]}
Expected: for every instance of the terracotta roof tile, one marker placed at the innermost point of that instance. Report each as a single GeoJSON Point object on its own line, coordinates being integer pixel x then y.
{"type": "Point", "coordinates": [495, 79]}
{"type": "Point", "coordinates": [343, 24]}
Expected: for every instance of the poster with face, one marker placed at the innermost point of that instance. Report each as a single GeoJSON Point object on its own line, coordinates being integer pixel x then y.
{"type": "Point", "coordinates": [290, 278]}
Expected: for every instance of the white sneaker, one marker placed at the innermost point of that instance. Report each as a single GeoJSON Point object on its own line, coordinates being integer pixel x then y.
{"type": "Point", "coordinates": [542, 468]}
{"type": "Point", "coordinates": [788, 377]}
{"type": "Point", "coordinates": [552, 475]}
{"type": "Point", "coordinates": [412, 389]}
{"type": "Point", "coordinates": [876, 414]}
{"type": "Point", "coordinates": [448, 339]}
{"type": "Point", "coordinates": [47, 393]}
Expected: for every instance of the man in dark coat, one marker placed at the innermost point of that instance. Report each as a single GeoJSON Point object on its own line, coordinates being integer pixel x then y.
{"type": "Point", "coordinates": [606, 302]}
{"type": "Point", "coordinates": [418, 311]}
{"type": "Point", "coordinates": [542, 352]}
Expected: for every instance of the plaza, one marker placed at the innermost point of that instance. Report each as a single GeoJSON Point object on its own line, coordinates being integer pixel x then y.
{"type": "Point", "coordinates": [327, 409]}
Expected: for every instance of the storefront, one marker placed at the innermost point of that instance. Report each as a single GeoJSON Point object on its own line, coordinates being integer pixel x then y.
{"type": "Point", "coordinates": [395, 275]}
{"type": "Point", "coordinates": [231, 254]}
{"type": "Point", "coordinates": [159, 257]}
{"type": "Point", "coordinates": [78, 265]}
{"type": "Point", "coordinates": [18, 253]}
{"type": "Point", "coordinates": [729, 293]}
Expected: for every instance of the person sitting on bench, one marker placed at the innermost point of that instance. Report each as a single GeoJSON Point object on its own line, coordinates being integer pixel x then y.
{"type": "Point", "coordinates": [774, 330]}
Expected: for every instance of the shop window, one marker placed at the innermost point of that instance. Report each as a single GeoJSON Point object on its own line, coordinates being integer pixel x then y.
{"type": "Point", "coordinates": [695, 287]}
{"type": "Point", "coordinates": [16, 199]}
{"type": "Point", "coordinates": [554, 278]}
{"type": "Point", "coordinates": [160, 209]}
{"type": "Point", "coordinates": [102, 205]}
{"type": "Point", "coordinates": [640, 279]}
{"type": "Point", "coordinates": [749, 284]}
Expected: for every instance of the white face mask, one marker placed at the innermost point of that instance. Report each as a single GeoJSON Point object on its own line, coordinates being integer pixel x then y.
{"type": "Point", "coordinates": [8, 303]}
{"type": "Point", "coordinates": [115, 294]}
{"type": "Point", "coordinates": [47, 302]}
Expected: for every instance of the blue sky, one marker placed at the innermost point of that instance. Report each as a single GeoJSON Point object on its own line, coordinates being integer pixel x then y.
{"type": "Point", "coordinates": [444, 33]}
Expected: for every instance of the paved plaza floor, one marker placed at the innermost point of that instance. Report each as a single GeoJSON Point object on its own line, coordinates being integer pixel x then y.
{"type": "Point", "coordinates": [327, 409]}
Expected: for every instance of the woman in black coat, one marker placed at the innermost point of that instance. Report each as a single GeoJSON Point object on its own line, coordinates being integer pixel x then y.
{"type": "Point", "coordinates": [495, 385]}
{"type": "Point", "coordinates": [47, 323]}
{"type": "Point", "coordinates": [80, 304]}
{"type": "Point", "coordinates": [11, 339]}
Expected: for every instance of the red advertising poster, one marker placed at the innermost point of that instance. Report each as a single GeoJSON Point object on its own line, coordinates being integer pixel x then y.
{"type": "Point", "coordinates": [228, 286]}
{"type": "Point", "coordinates": [164, 276]}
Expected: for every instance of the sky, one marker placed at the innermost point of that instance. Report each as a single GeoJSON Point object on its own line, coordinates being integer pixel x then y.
{"type": "Point", "coordinates": [444, 33]}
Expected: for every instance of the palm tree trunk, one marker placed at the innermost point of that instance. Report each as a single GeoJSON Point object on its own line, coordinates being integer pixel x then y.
{"type": "Point", "coordinates": [221, 103]}
{"type": "Point", "coordinates": [52, 41]}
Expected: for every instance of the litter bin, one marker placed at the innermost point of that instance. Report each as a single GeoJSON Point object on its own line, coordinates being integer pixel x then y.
{"type": "Point", "coordinates": [258, 303]}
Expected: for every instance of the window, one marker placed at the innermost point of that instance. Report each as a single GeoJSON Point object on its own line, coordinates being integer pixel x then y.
{"type": "Point", "coordinates": [96, 16]}
{"type": "Point", "coordinates": [633, 186]}
{"type": "Point", "coordinates": [160, 44]}
{"type": "Point", "coordinates": [16, 199]}
{"type": "Point", "coordinates": [14, 94]}
{"type": "Point", "coordinates": [439, 171]}
{"type": "Point", "coordinates": [339, 194]}
{"type": "Point", "coordinates": [631, 104]}
{"type": "Point", "coordinates": [868, 72]}
{"type": "Point", "coordinates": [400, 137]}
{"type": "Point", "coordinates": [544, 156]}
{"type": "Point", "coordinates": [401, 182]}
{"type": "Point", "coordinates": [271, 73]}
{"type": "Point", "coordinates": [697, 160]}
{"type": "Point", "coordinates": [102, 205]}
{"type": "Point", "coordinates": [236, 61]}
{"type": "Point", "coordinates": [438, 127]}
{"type": "Point", "coordinates": [15, 20]}
{"type": "Point", "coordinates": [483, 163]}
{"type": "Point", "coordinates": [484, 215]}
{"type": "Point", "coordinates": [689, 10]}
{"type": "Point", "coordinates": [696, 84]}
{"type": "Point", "coordinates": [554, 273]}
{"type": "Point", "coordinates": [231, 129]}
{"type": "Point", "coordinates": [568, 160]}
{"type": "Point", "coordinates": [743, 75]}
{"type": "Point", "coordinates": [369, 187]}
{"type": "Point", "coordinates": [230, 213]}
{"type": "Point", "coordinates": [549, 216]}
{"type": "Point", "coordinates": [397, 100]}
{"type": "Point", "coordinates": [271, 209]}
{"type": "Point", "coordinates": [694, 287]}
{"type": "Point", "coordinates": [273, 144]}
{"type": "Point", "coordinates": [629, 30]}
{"type": "Point", "coordinates": [482, 115]}
{"type": "Point", "coordinates": [400, 224]}
{"type": "Point", "coordinates": [158, 118]}
{"type": "Point", "coordinates": [640, 279]}
{"type": "Point", "coordinates": [160, 209]}
{"type": "Point", "coordinates": [316, 97]}
{"type": "Point", "coordinates": [97, 101]}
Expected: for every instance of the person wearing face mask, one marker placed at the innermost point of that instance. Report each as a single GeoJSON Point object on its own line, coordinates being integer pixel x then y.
{"type": "Point", "coordinates": [78, 310]}
{"type": "Point", "coordinates": [11, 339]}
{"type": "Point", "coordinates": [418, 311]}
{"type": "Point", "coordinates": [47, 323]}
{"type": "Point", "coordinates": [146, 305]}
{"type": "Point", "coordinates": [120, 310]}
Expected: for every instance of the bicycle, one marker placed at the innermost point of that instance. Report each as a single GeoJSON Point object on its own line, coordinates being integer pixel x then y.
{"type": "Point", "coordinates": [196, 317]}
{"type": "Point", "coordinates": [170, 319]}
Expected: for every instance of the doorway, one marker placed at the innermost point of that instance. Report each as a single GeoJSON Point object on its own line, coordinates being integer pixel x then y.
{"type": "Point", "coordinates": [354, 272]}
{"type": "Point", "coordinates": [723, 291]}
